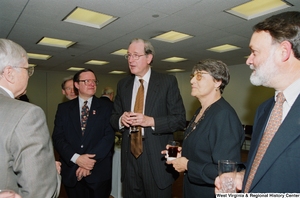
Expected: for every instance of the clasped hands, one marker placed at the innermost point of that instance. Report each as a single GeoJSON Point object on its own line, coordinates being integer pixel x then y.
{"type": "Point", "coordinates": [180, 163]}
{"type": "Point", "coordinates": [86, 164]}
{"type": "Point", "coordinates": [136, 119]}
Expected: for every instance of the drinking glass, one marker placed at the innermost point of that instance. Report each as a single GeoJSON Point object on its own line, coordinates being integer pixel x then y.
{"type": "Point", "coordinates": [172, 150]}
{"type": "Point", "coordinates": [227, 172]}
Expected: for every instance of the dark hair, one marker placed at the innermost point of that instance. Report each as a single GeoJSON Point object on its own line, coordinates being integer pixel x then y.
{"type": "Point", "coordinates": [148, 48]}
{"type": "Point", "coordinates": [77, 75]}
{"type": "Point", "coordinates": [283, 26]}
{"type": "Point", "coordinates": [216, 68]}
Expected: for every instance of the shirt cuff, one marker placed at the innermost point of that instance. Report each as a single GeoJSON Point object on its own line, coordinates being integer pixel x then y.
{"type": "Point", "coordinates": [74, 158]}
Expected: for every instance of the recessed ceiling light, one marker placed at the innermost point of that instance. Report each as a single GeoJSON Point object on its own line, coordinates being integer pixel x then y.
{"type": "Point", "coordinates": [174, 59]}
{"type": "Point", "coordinates": [120, 52]}
{"type": "Point", "coordinates": [175, 70]}
{"type": "Point", "coordinates": [96, 62]}
{"type": "Point", "coordinates": [55, 42]}
{"type": "Point", "coordinates": [75, 68]}
{"type": "Point", "coordinates": [117, 72]}
{"type": "Point", "coordinates": [172, 37]}
{"type": "Point", "coordinates": [38, 56]}
{"type": "Point", "coordinates": [89, 18]}
{"type": "Point", "coordinates": [223, 48]}
{"type": "Point", "coordinates": [257, 8]}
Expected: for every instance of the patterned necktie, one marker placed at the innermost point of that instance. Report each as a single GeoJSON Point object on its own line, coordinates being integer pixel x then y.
{"type": "Point", "coordinates": [136, 137]}
{"type": "Point", "coordinates": [271, 129]}
{"type": "Point", "coordinates": [84, 116]}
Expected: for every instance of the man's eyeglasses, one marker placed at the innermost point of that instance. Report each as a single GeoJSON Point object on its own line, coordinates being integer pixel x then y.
{"type": "Point", "coordinates": [89, 81]}
{"type": "Point", "coordinates": [198, 75]}
{"type": "Point", "coordinates": [30, 70]}
{"type": "Point", "coordinates": [134, 56]}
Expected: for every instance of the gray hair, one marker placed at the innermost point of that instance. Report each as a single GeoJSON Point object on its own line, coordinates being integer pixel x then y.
{"type": "Point", "coordinates": [65, 81]}
{"type": "Point", "coordinates": [216, 68]}
{"type": "Point", "coordinates": [148, 48]}
{"type": "Point", "coordinates": [11, 54]}
{"type": "Point", "coordinates": [107, 90]}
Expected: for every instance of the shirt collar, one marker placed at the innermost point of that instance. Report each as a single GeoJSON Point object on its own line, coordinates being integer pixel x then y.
{"type": "Point", "coordinates": [8, 92]}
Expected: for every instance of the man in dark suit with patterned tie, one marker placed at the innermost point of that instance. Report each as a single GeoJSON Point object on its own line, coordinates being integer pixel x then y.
{"type": "Point", "coordinates": [84, 138]}
{"type": "Point", "coordinates": [144, 171]}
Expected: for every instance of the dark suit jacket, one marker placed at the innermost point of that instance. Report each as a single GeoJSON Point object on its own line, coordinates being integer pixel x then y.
{"type": "Point", "coordinates": [98, 139]}
{"type": "Point", "coordinates": [279, 169]}
{"type": "Point", "coordinates": [106, 98]}
{"type": "Point", "coordinates": [218, 136]}
{"type": "Point", "coordinates": [164, 103]}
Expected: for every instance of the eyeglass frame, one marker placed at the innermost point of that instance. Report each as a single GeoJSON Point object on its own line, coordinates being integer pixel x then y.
{"type": "Point", "coordinates": [198, 77]}
{"type": "Point", "coordinates": [89, 81]}
{"type": "Point", "coordinates": [134, 56]}
{"type": "Point", "coordinates": [30, 70]}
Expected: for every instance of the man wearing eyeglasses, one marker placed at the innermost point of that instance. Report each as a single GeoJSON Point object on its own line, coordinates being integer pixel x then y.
{"type": "Point", "coordinates": [27, 160]}
{"type": "Point", "coordinates": [83, 138]}
{"type": "Point", "coordinates": [145, 174]}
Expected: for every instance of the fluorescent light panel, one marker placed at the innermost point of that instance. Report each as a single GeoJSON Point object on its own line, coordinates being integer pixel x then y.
{"type": "Point", "coordinates": [257, 8]}
{"type": "Point", "coordinates": [96, 62]}
{"type": "Point", "coordinates": [174, 59]}
{"type": "Point", "coordinates": [75, 68]}
{"type": "Point", "coordinates": [38, 56]}
{"type": "Point", "coordinates": [223, 48]}
{"type": "Point", "coordinates": [117, 72]}
{"type": "Point", "coordinates": [89, 18]}
{"type": "Point", "coordinates": [120, 52]}
{"type": "Point", "coordinates": [55, 42]}
{"type": "Point", "coordinates": [175, 70]}
{"type": "Point", "coordinates": [172, 37]}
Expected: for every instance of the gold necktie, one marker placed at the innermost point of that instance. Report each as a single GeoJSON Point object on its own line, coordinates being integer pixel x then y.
{"type": "Point", "coordinates": [136, 137]}
{"type": "Point", "coordinates": [271, 129]}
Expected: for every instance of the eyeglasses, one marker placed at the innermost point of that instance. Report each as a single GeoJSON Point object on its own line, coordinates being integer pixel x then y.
{"type": "Point", "coordinates": [134, 56]}
{"type": "Point", "coordinates": [30, 70]}
{"type": "Point", "coordinates": [89, 81]}
{"type": "Point", "coordinates": [198, 75]}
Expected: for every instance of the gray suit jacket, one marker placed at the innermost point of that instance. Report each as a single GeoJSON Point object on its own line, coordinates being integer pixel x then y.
{"type": "Point", "coordinates": [26, 152]}
{"type": "Point", "coordinates": [164, 104]}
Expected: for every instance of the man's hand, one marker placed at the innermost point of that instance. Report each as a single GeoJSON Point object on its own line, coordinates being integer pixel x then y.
{"type": "Point", "coordinates": [81, 172]}
{"type": "Point", "coordinates": [238, 182]}
{"type": "Point", "coordinates": [86, 161]}
{"type": "Point", "coordinates": [139, 119]}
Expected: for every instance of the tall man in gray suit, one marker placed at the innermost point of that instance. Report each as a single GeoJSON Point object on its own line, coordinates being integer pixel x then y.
{"type": "Point", "coordinates": [147, 174]}
{"type": "Point", "coordinates": [27, 160]}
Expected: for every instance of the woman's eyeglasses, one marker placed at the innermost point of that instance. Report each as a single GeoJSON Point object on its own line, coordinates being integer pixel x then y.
{"type": "Point", "coordinates": [198, 75]}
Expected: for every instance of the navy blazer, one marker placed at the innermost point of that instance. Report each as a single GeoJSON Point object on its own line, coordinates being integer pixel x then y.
{"type": "Point", "coordinates": [279, 169]}
{"type": "Point", "coordinates": [164, 104]}
{"type": "Point", "coordinates": [98, 139]}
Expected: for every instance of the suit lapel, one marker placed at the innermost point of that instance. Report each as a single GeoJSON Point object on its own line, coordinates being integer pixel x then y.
{"type": "Point", "coordinates": [151, 96]}
{"type": "Point", "coordinates": [127, 97]}
{"type": "Point", "coordinates": [75, 116]}
{"type": "Point", "coordinates": [282, 139]}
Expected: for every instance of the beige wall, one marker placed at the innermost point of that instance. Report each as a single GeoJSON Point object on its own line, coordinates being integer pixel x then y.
{"type": "Point", "coordinates": [44, 90]}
